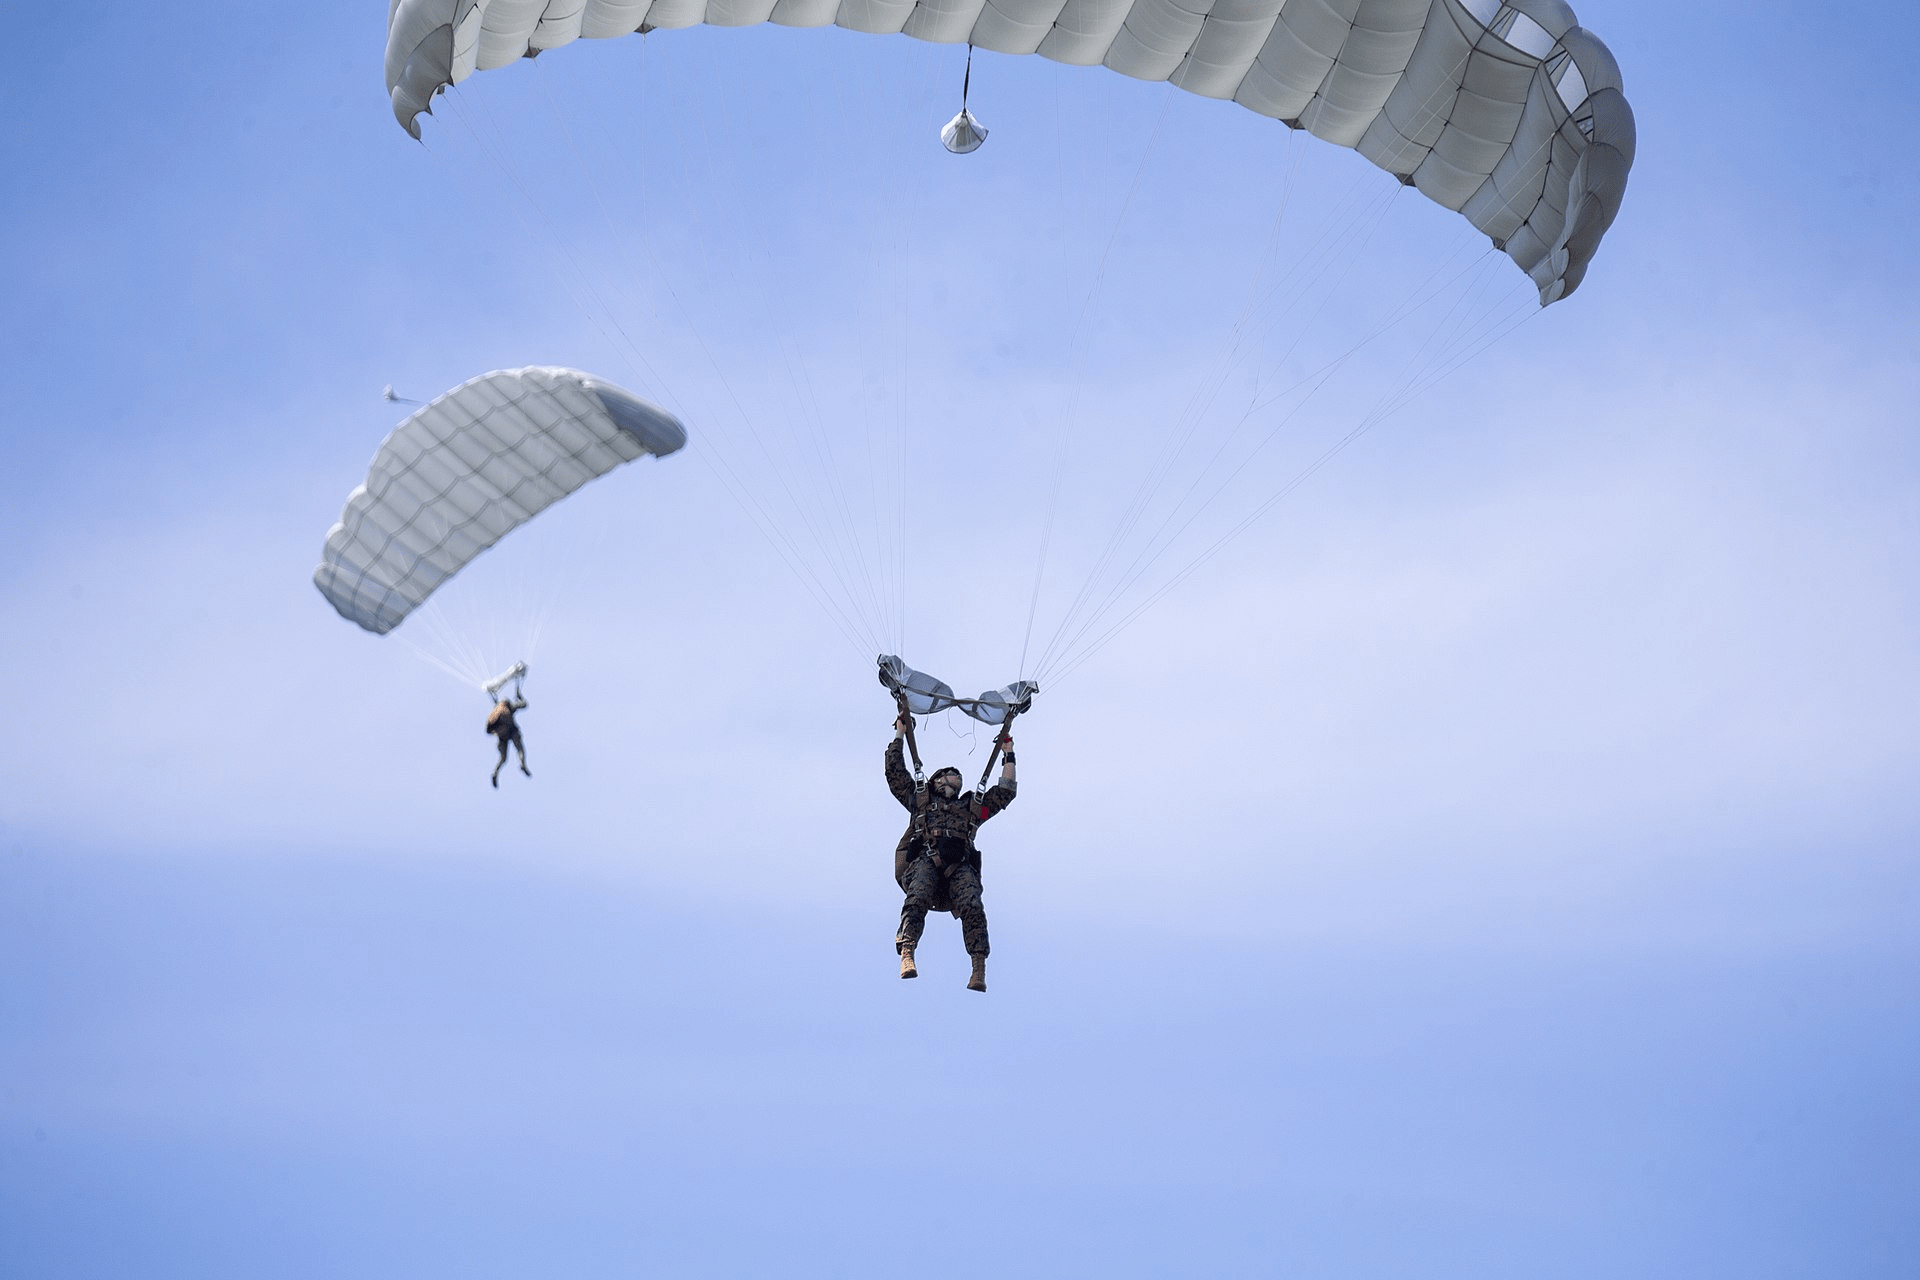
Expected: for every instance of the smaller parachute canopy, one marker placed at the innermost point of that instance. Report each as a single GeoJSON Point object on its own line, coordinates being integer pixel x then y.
{"type": "Point", "coordinates": [926, 695]}
{"type": "Point", "coordinates": [459, 474]}
{"type": "Point", "coordinates": [963, 133]}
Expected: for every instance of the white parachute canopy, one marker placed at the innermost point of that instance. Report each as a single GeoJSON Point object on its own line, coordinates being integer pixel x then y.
{"type": "Point", "coordinates": [1506, 111]}
{"type": "Point", "coordinates": [467, 469]}
{"type": "Point", "coordinates": [927, 696]}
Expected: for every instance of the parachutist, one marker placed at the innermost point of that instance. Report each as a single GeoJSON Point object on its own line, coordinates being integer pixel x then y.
{"type": "Point", "coordinates": [936, 864]}
{"type": "Point", "coordinates": [501, 724]}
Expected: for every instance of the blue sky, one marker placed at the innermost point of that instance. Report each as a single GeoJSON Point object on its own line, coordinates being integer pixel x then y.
{"type": "Point", "coordinates": [1498, 860]}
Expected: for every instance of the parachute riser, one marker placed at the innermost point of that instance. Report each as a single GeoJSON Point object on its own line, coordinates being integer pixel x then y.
{"type": "Point", "coordinates": [999, 739]}
{"type": "Point", "coordinates": [913, 748]}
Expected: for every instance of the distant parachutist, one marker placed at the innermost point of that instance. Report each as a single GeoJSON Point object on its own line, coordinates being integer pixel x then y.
{"type": "Point", "coordinates": [500, 721]}
{"type": "Point", "coordinates": [502, 725]}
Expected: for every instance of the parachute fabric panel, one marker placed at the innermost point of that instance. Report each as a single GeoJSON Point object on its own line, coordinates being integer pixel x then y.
{"type": "Point", "coordinates": [466, 469]}
{"type": "Point", "coordinates": [1509, 113]}
{"type": "Point", "coordinates": [926, 696]}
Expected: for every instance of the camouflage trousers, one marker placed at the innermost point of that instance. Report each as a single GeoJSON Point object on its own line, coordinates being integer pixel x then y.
{"type": "Point", "coordinates": [923, 883]}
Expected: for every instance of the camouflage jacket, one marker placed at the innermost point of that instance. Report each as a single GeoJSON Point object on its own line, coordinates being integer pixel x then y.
{"type": "Point", "coordinates": [500, 722]}
{"type": "Point", "coordinates": [934, 817]}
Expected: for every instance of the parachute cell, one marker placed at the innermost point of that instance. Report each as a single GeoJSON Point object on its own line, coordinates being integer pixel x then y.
{"type": "Point", "coordinates": [465, 470]}
{"type": "Point", "coordinates": [1508, 113]}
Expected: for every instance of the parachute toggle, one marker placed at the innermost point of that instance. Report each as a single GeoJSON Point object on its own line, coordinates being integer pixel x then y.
{"type": "Point", "coordinates": [926, 696]}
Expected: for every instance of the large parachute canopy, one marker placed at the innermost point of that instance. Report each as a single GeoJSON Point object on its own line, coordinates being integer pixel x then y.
{"type": "Point", "coordinates": [927, 696]}
{"type": "Point", "coordinates": [1509, 113]}
{"type": "Point", "coordinates": [467, 469]}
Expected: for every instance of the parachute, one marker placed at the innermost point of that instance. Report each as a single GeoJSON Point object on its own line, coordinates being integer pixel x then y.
{"type": "Point", "coordinates": [467, 469]}
{"type": "Point", "coordinates": [1508, 113]}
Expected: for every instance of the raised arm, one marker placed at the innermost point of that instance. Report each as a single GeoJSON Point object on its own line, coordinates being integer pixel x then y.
{"type": "Point", "coordinates": [1001, 793]}
{"type": "Point", "coordinates": [899, 781]}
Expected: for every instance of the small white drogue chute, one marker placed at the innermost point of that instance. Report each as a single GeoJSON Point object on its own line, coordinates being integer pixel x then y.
{"type": "Point", "coordinates": [962, 134]}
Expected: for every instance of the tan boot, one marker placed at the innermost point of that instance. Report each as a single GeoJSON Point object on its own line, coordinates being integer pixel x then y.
{"type": "Point", "coordinates": [906, 964]}
{"type": "Point", "coordinates": [978, 982]}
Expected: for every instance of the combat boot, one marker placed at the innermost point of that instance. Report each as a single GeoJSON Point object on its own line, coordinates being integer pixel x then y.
{"type": "Point", "coordinates": [978, 982]}
{"type": "Point", "coordinates": [906, 963]}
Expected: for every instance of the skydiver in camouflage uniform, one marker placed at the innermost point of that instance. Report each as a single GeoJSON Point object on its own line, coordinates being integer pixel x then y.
{"type": "Point", "coordinates": [501, 724]}
{"type": "Point", "coordinates": [935, 863]}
